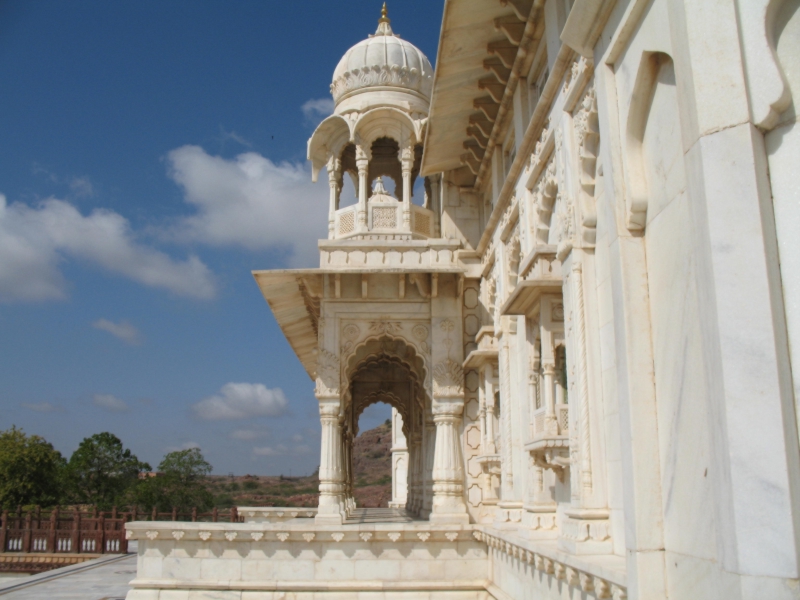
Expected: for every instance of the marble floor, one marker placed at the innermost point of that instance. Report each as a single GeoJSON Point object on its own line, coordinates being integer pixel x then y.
{"type": "Point", "coordinates": [105, 578]}
{"type": "Point", "coordinates": [379, 515]}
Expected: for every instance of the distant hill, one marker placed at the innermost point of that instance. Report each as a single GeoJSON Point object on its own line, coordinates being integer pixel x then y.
{"type": "Point", "coordinates": [372, 463]}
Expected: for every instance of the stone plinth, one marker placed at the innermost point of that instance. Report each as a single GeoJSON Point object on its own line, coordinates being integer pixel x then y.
{"type": "Point", "coordinates": [303, 560]}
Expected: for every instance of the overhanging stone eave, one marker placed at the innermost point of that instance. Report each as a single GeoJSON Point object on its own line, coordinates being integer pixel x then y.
{"type": "Point", "coordinates": [476, 358]}
{"type": "Point", "coordinates": [282, 289]}
{"type": "Point", "coordinates": [455, 80]}
{"type": "Point", "coordinates": [527, 293]}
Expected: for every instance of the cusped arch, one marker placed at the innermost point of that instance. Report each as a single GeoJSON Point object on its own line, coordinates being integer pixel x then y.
{"type": "Point", "coordinates": [328, 139]}
{"type": "Point", "coordinates": [388, 345]}
{"type": "Point", "coordinates": [382, 396]}
{"type": "Point", "coordinates": [394, 349]}
{"type": "Point", "coordinates": [387, 122]}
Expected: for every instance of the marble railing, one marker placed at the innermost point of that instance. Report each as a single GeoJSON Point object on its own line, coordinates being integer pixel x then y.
{"type": "Point", "coordinates": [525, 569]}
{"type": "Point", "coordinates": [274, 514]}
{"type": "Point", "coordinates": [413, 560]}
{"type": "Point", "coordinates": [384, 218]}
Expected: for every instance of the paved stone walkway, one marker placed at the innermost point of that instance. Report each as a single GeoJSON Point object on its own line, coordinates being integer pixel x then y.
{"type": "Point", "coordinates": [104, 578]}
{"type": "Point", "coordinates": [379, 515]}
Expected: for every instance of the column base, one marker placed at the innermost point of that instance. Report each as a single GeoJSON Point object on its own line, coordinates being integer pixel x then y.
{"type": "Point", "coordinates": [508, 511]}
{"type": "Point", "coordinates": [585, 531]}
{"type": "Point", "coordinates": [331, 519]}
{"type": "Point", "coordinates": [461, 518]}
{"type": "Point", "coordinates": [540, 522]}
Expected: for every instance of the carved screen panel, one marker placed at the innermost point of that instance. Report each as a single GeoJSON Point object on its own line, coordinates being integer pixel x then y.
{"type": "Point", "coordinates": [384, 217]}
{"type": "Point", "coordinates": [422, 224]}
{"type": "Point", "coordinates": [347, 223]}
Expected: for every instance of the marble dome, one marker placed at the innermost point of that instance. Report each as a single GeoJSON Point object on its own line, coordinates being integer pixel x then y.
{"type": "Point", "coordinates": [382, 61]}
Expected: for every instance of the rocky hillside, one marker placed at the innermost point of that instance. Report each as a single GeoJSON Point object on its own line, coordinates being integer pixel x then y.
{"type": "Point", "coordinates": [372, 461]}
{"type": "Point", "coordinates": [372, 464]}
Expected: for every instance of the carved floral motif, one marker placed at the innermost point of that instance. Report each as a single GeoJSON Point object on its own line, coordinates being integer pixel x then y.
{"type": "Point", "coordinates": [448, 378]}
{"type": "Point", "coordinates": [327, 373]}
{"type": "Point", "coordinates": [386, 326]}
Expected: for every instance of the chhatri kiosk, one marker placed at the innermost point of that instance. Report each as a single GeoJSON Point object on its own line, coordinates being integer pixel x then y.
{"type": "Point", "coordinates": [568, 259]}
{"type": "Point", "coordinates": [381, 320]}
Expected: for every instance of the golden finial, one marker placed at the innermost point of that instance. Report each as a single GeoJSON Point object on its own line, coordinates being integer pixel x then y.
{"type": "Point", "coordinates": [383, 23]}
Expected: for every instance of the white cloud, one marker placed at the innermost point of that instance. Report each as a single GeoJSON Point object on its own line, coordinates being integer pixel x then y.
{"type": "Point", "coordinates": [297, 438]}
{"type": "Point", "coordinates": [42, 407]}
{"type": "Point", "coordinates": [246, 434]}
{"type": "Point", "coordinates": [109, 402]}
{"type": "Point", "coordinates": [242, 401]}
{"type": "Point", "coordinates": [33, 241]}
{"type": "Point", "coordinates": [278, 450]}
{"type": "Point", "coordinates": [302, 449]}
{"type": "Point", "coordinates": [225, 135]}
{"type": "Point", "coordinates": [250, 202]}
{"type": "Point", "coordinates": [81, 186]}
{"type": "Point", "coordinates": [184, 446]}
{"type": "Point", "coordinates": [265, 451]}
{"type": "Point", "coordinates": [122, 330]}
{"type": "Point", "coordinates": [317, 109]}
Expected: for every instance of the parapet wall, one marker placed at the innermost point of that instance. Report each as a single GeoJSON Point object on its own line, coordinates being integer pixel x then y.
{"type": "Point", "coordinates": [298, 559]}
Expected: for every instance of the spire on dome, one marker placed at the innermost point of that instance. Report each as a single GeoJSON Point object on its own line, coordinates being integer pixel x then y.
{"type": "Point", "coordinates": [384, 27]}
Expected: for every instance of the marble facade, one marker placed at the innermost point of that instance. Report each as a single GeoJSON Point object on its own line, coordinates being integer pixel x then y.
{"type": "Point", "coordinates": [582, 301]}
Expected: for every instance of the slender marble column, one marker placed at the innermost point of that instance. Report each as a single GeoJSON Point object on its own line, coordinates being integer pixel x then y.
{"type": "Point", "coordinates": [491, 435]}
{"type": "Point", "coordinates": [406, 164]}
{"type": "Point", "coordinates": [448, 472]}
{"type": "Point", "coordinates": [435, 203]}
{"type": "Point", "coordinates": [362, 164]}
{"type": "Point", "coordinates": [429, 443]}
{"type": "Point", "coordinates": [334, 170]}
{"type": "Point", "coordinates": [331, 465]}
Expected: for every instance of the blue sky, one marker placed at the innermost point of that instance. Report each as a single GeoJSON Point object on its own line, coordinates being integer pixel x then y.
{"type": "Point", "coordinates": [152, 154]}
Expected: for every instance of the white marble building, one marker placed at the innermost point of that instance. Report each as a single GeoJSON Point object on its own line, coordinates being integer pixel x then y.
{"type": "Point", "coordinates": [582, 299]}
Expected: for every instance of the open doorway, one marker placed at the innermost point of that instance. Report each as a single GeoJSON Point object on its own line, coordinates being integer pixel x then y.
{"type": "Point", "coordinates": [372, 457]}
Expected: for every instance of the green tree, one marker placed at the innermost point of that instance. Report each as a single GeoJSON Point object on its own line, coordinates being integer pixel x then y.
{"type": "Point", "coordinates": [180, 484]}
{"type": "Point", "coordinates": [101, 470]}
{"type": "Point", "coordinates": [30, 470]}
